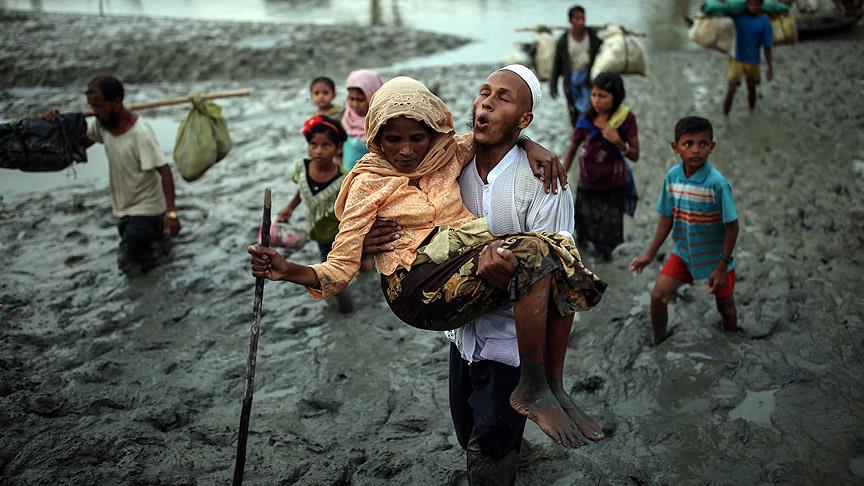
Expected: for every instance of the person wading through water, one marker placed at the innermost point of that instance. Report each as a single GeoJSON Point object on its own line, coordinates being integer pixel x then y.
{"type": "Point", "coordinates": [140, 180]}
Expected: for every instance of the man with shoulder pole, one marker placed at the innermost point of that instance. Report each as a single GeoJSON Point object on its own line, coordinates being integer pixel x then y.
{"type": "Point", "coordinates": [140, 180]}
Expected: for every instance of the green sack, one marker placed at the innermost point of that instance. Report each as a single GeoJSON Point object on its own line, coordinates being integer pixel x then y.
{"type": "Point", "coordinates": [739, 7]}
{"type": "Point", "coordinates": [202, 139]}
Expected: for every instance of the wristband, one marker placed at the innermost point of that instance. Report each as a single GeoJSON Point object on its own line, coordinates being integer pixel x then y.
{"type": "Point", "coordinates": [171, 215]}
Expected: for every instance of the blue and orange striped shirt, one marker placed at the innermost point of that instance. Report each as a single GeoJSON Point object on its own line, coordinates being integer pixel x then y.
{"type": "Point", "coordinates": [700, 208]}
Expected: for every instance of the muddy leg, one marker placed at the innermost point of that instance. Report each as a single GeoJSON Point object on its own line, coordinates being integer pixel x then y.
{"type": "Point", "coordinates": [557, 336]}
{"type": "Point", "coordinates": [664, 290]}
{"type": "Point", "coordinates": [728, 312]}
{"type": "Point", "coordinates": [751, 95]}
{"type": "Point", "coordinates": [532, 396]}
{"type": "Point", "coordinates": [730, 95]}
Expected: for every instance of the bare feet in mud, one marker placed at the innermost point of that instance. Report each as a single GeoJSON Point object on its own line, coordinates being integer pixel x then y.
{"type": "Point", "coordinates": [589, 428]}
{"type": "Point", "coordinates": [544, 410]}
{"type": "Point", "coordinates": [658, 340]}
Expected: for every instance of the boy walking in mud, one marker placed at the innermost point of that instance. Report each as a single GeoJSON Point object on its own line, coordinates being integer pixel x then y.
{"type": "Point", "coordinates": [752, 32]}
{"type": "Point", "coordinates": [697, 207]}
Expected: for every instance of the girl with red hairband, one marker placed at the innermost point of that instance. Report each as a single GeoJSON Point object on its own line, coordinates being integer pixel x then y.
{"type": "Point", "coordinates": [318, 180]}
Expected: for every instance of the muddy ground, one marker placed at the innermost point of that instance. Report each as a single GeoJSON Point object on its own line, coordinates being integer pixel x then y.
{"type": "Point", "coordinates": [109, 380]}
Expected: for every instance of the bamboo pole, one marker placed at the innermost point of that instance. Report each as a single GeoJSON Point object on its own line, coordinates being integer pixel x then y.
{"type": "Point", "coordinates": [240, 463]}
{"type": "Point", "coordinates": [537, 28]}
{"type": "Point", "coordinates": [182, 99]}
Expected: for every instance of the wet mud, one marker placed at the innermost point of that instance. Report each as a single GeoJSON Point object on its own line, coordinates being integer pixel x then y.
{"type": "Point", "coordinates": [62, 50]}
{"type": "Point", "coordinates": [109, 380]}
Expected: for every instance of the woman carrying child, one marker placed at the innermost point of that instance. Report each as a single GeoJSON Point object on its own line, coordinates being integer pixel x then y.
{"type": "Point", "coordinates": [430, 280]}
{"type": "Point", "coordinates": [361, 85]}
{"type": "Point", "coordinates": [318, 180]}
{"type": "Point", "coordinates": [606, 189]}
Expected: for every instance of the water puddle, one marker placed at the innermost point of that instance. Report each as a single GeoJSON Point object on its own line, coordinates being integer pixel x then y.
{"type": "Point", "coordinates": [757, 407]}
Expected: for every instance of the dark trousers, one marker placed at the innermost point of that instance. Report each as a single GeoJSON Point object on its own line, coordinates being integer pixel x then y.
{"type": "Point", "coordinates": [486, 425]}
{"type": "Point", "coordinates": [142, 240]}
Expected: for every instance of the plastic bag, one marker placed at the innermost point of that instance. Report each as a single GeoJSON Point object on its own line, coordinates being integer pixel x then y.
{"type": "Point", "coordinates": [716, 33]}
{"type": "Point", "coordinates": [37, 145]}
{"type": "Point", "coordinates": [620, 53]}
{"type": "Point", "coordinates": [202, 140]}
{"type": "Point", "coordinates": [285, 236]}
{"type": "Point", "coordinates": [738, 7]}
{"type": "Point", "coordinates": [544, 56]}
{"type": "Point", "coordinates": [784, 29]}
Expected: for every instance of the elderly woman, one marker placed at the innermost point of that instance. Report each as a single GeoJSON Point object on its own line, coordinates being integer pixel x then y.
{"type": "Point", "coordinates": [430, 280]}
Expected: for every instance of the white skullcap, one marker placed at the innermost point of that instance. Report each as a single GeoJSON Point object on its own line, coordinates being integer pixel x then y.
{"type": "Point", "coordinates": [530, 79]}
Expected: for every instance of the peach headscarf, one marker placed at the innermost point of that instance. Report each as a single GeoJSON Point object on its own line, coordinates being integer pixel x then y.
{"type": "Point", "coordinates": [403, 96]}
{"type": "Point", "coordinates": [368, 82]}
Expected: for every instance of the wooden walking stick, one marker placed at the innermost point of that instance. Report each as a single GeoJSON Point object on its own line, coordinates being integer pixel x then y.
{"type": "Point", "coordinates": [240, 463]}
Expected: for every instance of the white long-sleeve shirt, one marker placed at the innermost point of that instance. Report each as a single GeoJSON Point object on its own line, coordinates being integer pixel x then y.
{"type": "Point", "coordinates": [512, 201]}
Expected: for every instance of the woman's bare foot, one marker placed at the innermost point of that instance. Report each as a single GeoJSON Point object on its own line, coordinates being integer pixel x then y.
{"type": "Point", "coordinates": [589, 428]}
{"type": "Point", "coordinates": [544, 410]}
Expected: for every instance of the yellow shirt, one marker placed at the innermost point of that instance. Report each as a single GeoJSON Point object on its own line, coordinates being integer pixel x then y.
{"type": "Point", "coordinates": [418, 210]}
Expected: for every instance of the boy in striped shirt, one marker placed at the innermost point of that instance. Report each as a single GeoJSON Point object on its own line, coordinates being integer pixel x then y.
{"type": "Point", "coordinates": [697, 207]}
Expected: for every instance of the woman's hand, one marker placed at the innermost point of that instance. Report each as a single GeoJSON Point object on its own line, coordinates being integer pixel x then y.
{"type": "Point", "coordinates": [610, 134]}
{"type": "Point", "coordinates": [267, 263]}
{"type": "Point", "coordinates": [545, 166]}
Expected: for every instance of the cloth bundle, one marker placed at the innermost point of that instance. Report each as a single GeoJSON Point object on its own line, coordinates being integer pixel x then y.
{"type": "Point", "coordinates": [620, 53]}
{"type": "Point", "coordinates": [202, 140]}
{"type": "Point", "coordinates": [544, 55]}
{"type": "Point", "coordinates": [717, 33]}
{"type": "Point", "coordinates": [37, 145]}
{"type": "Point", "coordinates": [784, 29]}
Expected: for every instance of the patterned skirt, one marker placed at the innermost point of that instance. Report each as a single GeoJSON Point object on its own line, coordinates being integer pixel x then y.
{"type": "Point", "coordinates": [445, 296]}
{"type": "Point", "coordinates": [600, 217]}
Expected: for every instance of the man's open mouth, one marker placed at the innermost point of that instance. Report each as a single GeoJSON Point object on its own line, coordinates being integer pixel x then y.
{"type": "Point", "coordinates": [482, 121]}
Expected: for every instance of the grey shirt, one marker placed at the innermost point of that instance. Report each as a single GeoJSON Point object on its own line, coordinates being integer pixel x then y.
{"type": "Point", "coordinates": [133, 157]}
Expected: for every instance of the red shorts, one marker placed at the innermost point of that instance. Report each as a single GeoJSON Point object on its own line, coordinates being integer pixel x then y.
{"type": "Point", "coordinates": [675, 268]}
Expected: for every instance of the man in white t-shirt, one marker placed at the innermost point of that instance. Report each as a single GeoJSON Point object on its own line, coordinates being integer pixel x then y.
{"type": "Point", "coordinates": [140, 181]}
{"type": "Point", "coordinates": [484, 357]}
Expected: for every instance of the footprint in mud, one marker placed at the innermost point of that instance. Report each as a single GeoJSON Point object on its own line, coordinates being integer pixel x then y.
{"type": "Point", "coordinates": [46, 405]}
{"type": "Point", "coordinates": [317, 406]}
{"type": "Point", "coordinates": [589, 385]}
{"type": "Point", "coordinates": [168, 418]}
{"type": "Point", "coordinates": [97, 405]}
{"type": "Point", "coordinates": [80, 237]}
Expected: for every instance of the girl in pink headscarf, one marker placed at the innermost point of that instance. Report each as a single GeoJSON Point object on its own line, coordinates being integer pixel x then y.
{"type": "Point", "coordinates": [361, 84]}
